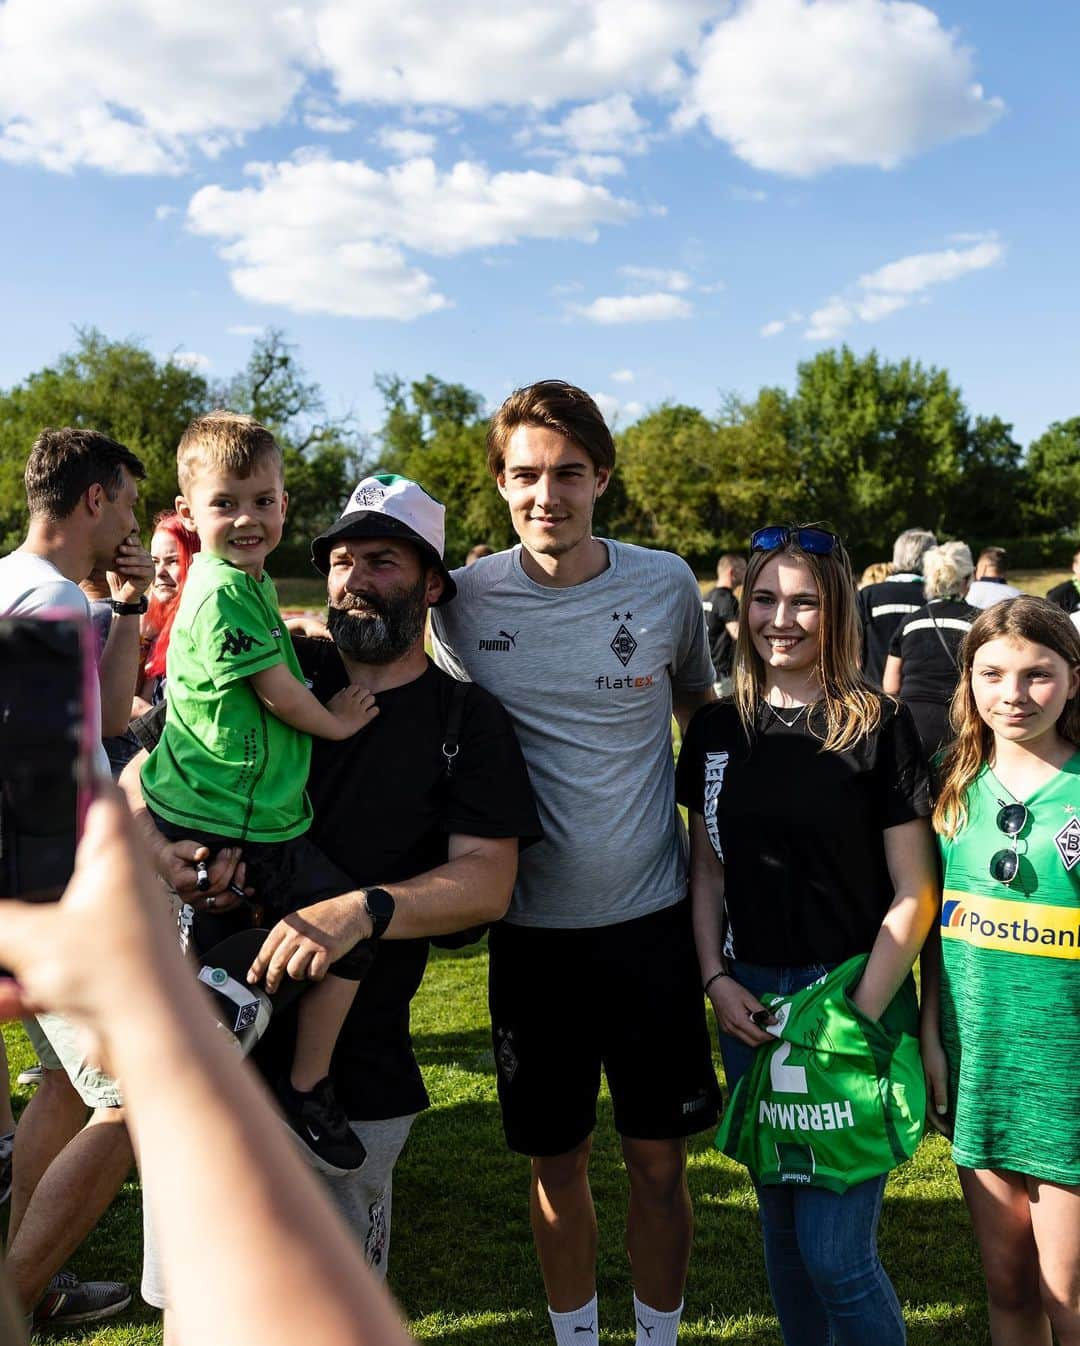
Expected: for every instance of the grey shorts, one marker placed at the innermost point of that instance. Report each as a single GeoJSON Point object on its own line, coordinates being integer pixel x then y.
{"type": "Point", "coordinates": [363, 1198]}
{"type": "Point", "coordinates": [56, 1042]}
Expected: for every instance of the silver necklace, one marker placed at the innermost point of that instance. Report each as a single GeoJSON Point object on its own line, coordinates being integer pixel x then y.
{"type": "Point", "coordinates": [789, 724]}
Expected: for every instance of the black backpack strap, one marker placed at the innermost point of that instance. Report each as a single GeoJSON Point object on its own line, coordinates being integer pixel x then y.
{"type": "Point", "coordinates": [452, 732]}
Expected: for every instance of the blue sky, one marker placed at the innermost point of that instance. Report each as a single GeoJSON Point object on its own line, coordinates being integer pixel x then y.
{"type": "Point", "coordinates": [657, 199]}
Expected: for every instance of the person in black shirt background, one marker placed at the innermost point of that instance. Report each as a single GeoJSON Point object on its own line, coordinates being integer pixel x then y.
{"type": "Point", "coordinates": [883, 606]}
{"type": "Point", "coordinates": [722, 617]}
{"type": "Point", "coordinates": [1066, 595]}
{"type": "Point", "coordinates": [808, 798]}
{"type": "Point", "coordinates": [923, 663]}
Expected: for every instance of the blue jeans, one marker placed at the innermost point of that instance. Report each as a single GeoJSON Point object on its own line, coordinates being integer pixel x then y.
{"type": "Point", "coordinates": [826, 1279]}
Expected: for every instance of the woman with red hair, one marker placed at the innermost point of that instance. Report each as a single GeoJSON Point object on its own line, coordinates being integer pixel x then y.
{"type": "Point", "coordinates": [171, 550]}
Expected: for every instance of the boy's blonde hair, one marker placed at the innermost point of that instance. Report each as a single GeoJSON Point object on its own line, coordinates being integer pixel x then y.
{"type": "Point", "coordinates": [227, 441]}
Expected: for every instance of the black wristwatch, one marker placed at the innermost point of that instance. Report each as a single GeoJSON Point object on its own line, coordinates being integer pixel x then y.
{"type": "Point", "coordinates": [380, 906]}
{"type": "Point", "coordinates": [129, 609]}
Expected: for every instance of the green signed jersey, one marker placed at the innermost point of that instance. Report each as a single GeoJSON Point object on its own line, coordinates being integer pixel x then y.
{"type": "Point", "coordinates": [1010, 983]}
{"type": "Point", "coordinates": [839, 1098]}
{"type": "Point", "coordinates": [225, 764]}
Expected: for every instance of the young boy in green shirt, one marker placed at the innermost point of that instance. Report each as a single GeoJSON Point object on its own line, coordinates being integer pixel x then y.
{"type": "Point", "coordinates": [233, 760]}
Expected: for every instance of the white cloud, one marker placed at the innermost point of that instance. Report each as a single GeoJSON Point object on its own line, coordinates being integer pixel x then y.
{"type": "Point", "coordinates": [135, 86]}
{"type": "Point", "coordinates": [192, 360]}
{"type": "Point", "coordinates": [318, 235]}
{"type": "Point", "coordinates": [802, 86]}
{"type": "Point", "coordinates": [616, 412]}
{"type": "Point", "coordinates": [749, 194]}
{"type": "Point", "coordinates": [655, 276]}
{"type": "Point", "coordinates": [164, 212]}
{"type": "Point", "coordinates": [912, 274]}
{"type": "Point", "coordinates": [405, 143]}
{"type": "Point", "coordinates": [623, 376]}
{"type": "Point", "coordinates": [246, 329]}
{"type": "Point", "coordinates": [591, 165]}
{"type": "Point", "coordinates": [896, 286]}
{"type": "Point", "coordinates": [778, 325]}
{"type": "Point", "coordinates": [609, 126]}
{"type": "Point", "coordinates": [532, 53]}
{"type": "Point", "coordinates": [657, 307]}
{"type": "Point", "coordinates": [320, 115]}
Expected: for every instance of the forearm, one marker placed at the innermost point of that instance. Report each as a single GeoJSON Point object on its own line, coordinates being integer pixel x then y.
{"type": "Point", "coordinates": [118, 672]}
{"type": "Point", "coordinates": [470, 889]}
{"type": "Point", "coordinates": [706, 902]}
{"type": "Point", "coordinates": [289, 700]}
{"type": "Point", "coordinates": [901, 936]}
{"type": "Point", "coordinates": [173, 1062]}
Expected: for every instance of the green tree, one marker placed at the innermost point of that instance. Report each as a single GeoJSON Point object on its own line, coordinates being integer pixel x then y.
{"type": "Point", "coordinates": [880, 445]}
{"type": "Point", "coordinates": [117, 387]}
{"type": "Point", "coordinates": [434, 432]}
{"type": "Point", "coordinates": [1053, 472]}
{"type": "Point", "coordinates": [671, 463]}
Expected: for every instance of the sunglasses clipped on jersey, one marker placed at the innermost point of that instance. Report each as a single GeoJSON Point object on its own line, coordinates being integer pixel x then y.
{"type": "Point", "coordinates": [774, 537]}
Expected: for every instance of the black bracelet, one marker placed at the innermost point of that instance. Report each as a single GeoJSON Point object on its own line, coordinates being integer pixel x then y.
{"type": "Point", "coordinates": [129, 609]}
{"type": "Point", "coordinates": [716, 977]}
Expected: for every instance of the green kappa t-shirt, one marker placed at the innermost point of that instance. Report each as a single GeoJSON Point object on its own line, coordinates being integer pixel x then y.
{"type": "Point", "coordinates": [225, 764]}
{"type": "Point", "coordinates": [1010, 995]}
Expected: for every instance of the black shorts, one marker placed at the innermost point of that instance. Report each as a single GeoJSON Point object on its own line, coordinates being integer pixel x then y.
{"type": "Point", "coordinates": [286, 875]}
{"type": "Point", "coordinates": [626, 997]}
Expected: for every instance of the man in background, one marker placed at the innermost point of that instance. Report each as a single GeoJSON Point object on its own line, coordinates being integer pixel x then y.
{"type": "Point", "coordinates": [883, 606]}
{"type": "Point", "coordinates": [990, 586]}
{"type": "Point", "coordinates": [722, 617]}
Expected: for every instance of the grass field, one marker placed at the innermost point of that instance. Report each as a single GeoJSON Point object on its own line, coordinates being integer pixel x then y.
{"type": "Point", "coordinates": [462, 1263]}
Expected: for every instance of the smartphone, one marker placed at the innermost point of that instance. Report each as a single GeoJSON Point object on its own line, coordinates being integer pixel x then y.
{"type": "Point", "coordinates": [49, 717]}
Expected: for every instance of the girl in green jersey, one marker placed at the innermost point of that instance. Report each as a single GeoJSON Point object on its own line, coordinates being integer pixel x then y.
{"type": "Point", "coordinates": [1001, 1009]}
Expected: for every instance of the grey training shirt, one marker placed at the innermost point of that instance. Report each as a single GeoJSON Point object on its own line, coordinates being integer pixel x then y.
{"type": "Point", "coordinates": [587, 674]}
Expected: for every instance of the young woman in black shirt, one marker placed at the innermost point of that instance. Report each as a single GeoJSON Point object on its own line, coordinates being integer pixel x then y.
{"type": "Point", "coordinates": [808, 801]}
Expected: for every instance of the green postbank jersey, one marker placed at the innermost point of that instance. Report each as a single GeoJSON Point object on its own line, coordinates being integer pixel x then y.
{"type": "Point", "coordinates": [1010, 983]}
{"type": "Point", "coordinates": [225, 764]}
{"type": "Point", "coordinates": [839, 1098]}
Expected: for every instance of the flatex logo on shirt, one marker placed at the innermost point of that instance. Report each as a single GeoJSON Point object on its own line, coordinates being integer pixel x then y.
{"type": "Point", "coordinates": [623, 645]}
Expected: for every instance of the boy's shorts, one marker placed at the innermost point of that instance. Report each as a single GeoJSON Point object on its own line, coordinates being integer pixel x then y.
{"type": "Point", "coordinates": [626, 997]}
{"type": "Point", "coordinates": [58, 1046]}
{"type": "Point", "coordinates": [286, 875]}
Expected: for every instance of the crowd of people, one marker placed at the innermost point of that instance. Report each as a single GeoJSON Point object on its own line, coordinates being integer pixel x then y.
{"type": "Point", "coordinates": [312, 812]}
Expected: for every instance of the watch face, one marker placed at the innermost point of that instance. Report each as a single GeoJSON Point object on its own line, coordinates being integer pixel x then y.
{"type": "Point", "coordinates": [381, 907]}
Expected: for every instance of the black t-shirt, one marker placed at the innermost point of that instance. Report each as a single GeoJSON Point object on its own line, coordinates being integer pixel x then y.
{"type": "Point", "coordinates": [929, 644]}
{"type": "Point", "coordinates": [882, 607]}
{"type": "Point", "coordinates": [384, 810]}
{"type": "Point", "coordinates": [1065, 596]}
{"type": "Point", "coordinates": [800, 830]}
{"type": "Point", "coordinates": [721, 606]}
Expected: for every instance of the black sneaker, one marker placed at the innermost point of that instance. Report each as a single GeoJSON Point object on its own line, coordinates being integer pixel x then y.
{"type": "Point", "coordinates": [70, 1300]}
{"type": "Point", "coordinates": [319, 1123]}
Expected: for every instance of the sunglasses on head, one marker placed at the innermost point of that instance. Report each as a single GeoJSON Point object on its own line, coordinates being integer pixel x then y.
{"type": "Point", "coordinates": [1011, 819]}
{"type": "Point", "coordinates": [816, 541]}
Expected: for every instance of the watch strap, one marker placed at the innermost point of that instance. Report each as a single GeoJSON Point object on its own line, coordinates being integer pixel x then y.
{"type": "Point", "coordinates": [129, 609]}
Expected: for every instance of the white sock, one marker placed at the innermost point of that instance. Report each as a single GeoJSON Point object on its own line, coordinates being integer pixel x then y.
{"type": "Point", "coordinates": [655, 1328]}
{"type": "Point", "coordinates": [578, 1327]}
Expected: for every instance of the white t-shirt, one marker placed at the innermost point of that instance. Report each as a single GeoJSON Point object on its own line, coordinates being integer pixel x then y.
{"type": "Point", "coordinates": [30, 585]}
{"type": "Point", "coordinates": [587, 675]}
{"type": "Point", "coordinates": [985, 593]}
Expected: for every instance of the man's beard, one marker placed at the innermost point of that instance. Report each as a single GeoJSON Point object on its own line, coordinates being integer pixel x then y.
{"type": "Point", "coordinates": [389, 629]}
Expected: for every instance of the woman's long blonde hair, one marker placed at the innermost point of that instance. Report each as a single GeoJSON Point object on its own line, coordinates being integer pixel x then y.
{"type": "Point", "coordinates": [852, 709]}
{"type": "Point", "coordinates": [1023, 618]}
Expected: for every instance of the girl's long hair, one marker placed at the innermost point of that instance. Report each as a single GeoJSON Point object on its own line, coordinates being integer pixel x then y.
{"type": "Point", "coordinates": [1023, 618]}
{"type": "Point", "coordinates": [851, 708]}
{"type": "Point", "coordinates": [158, 622]}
